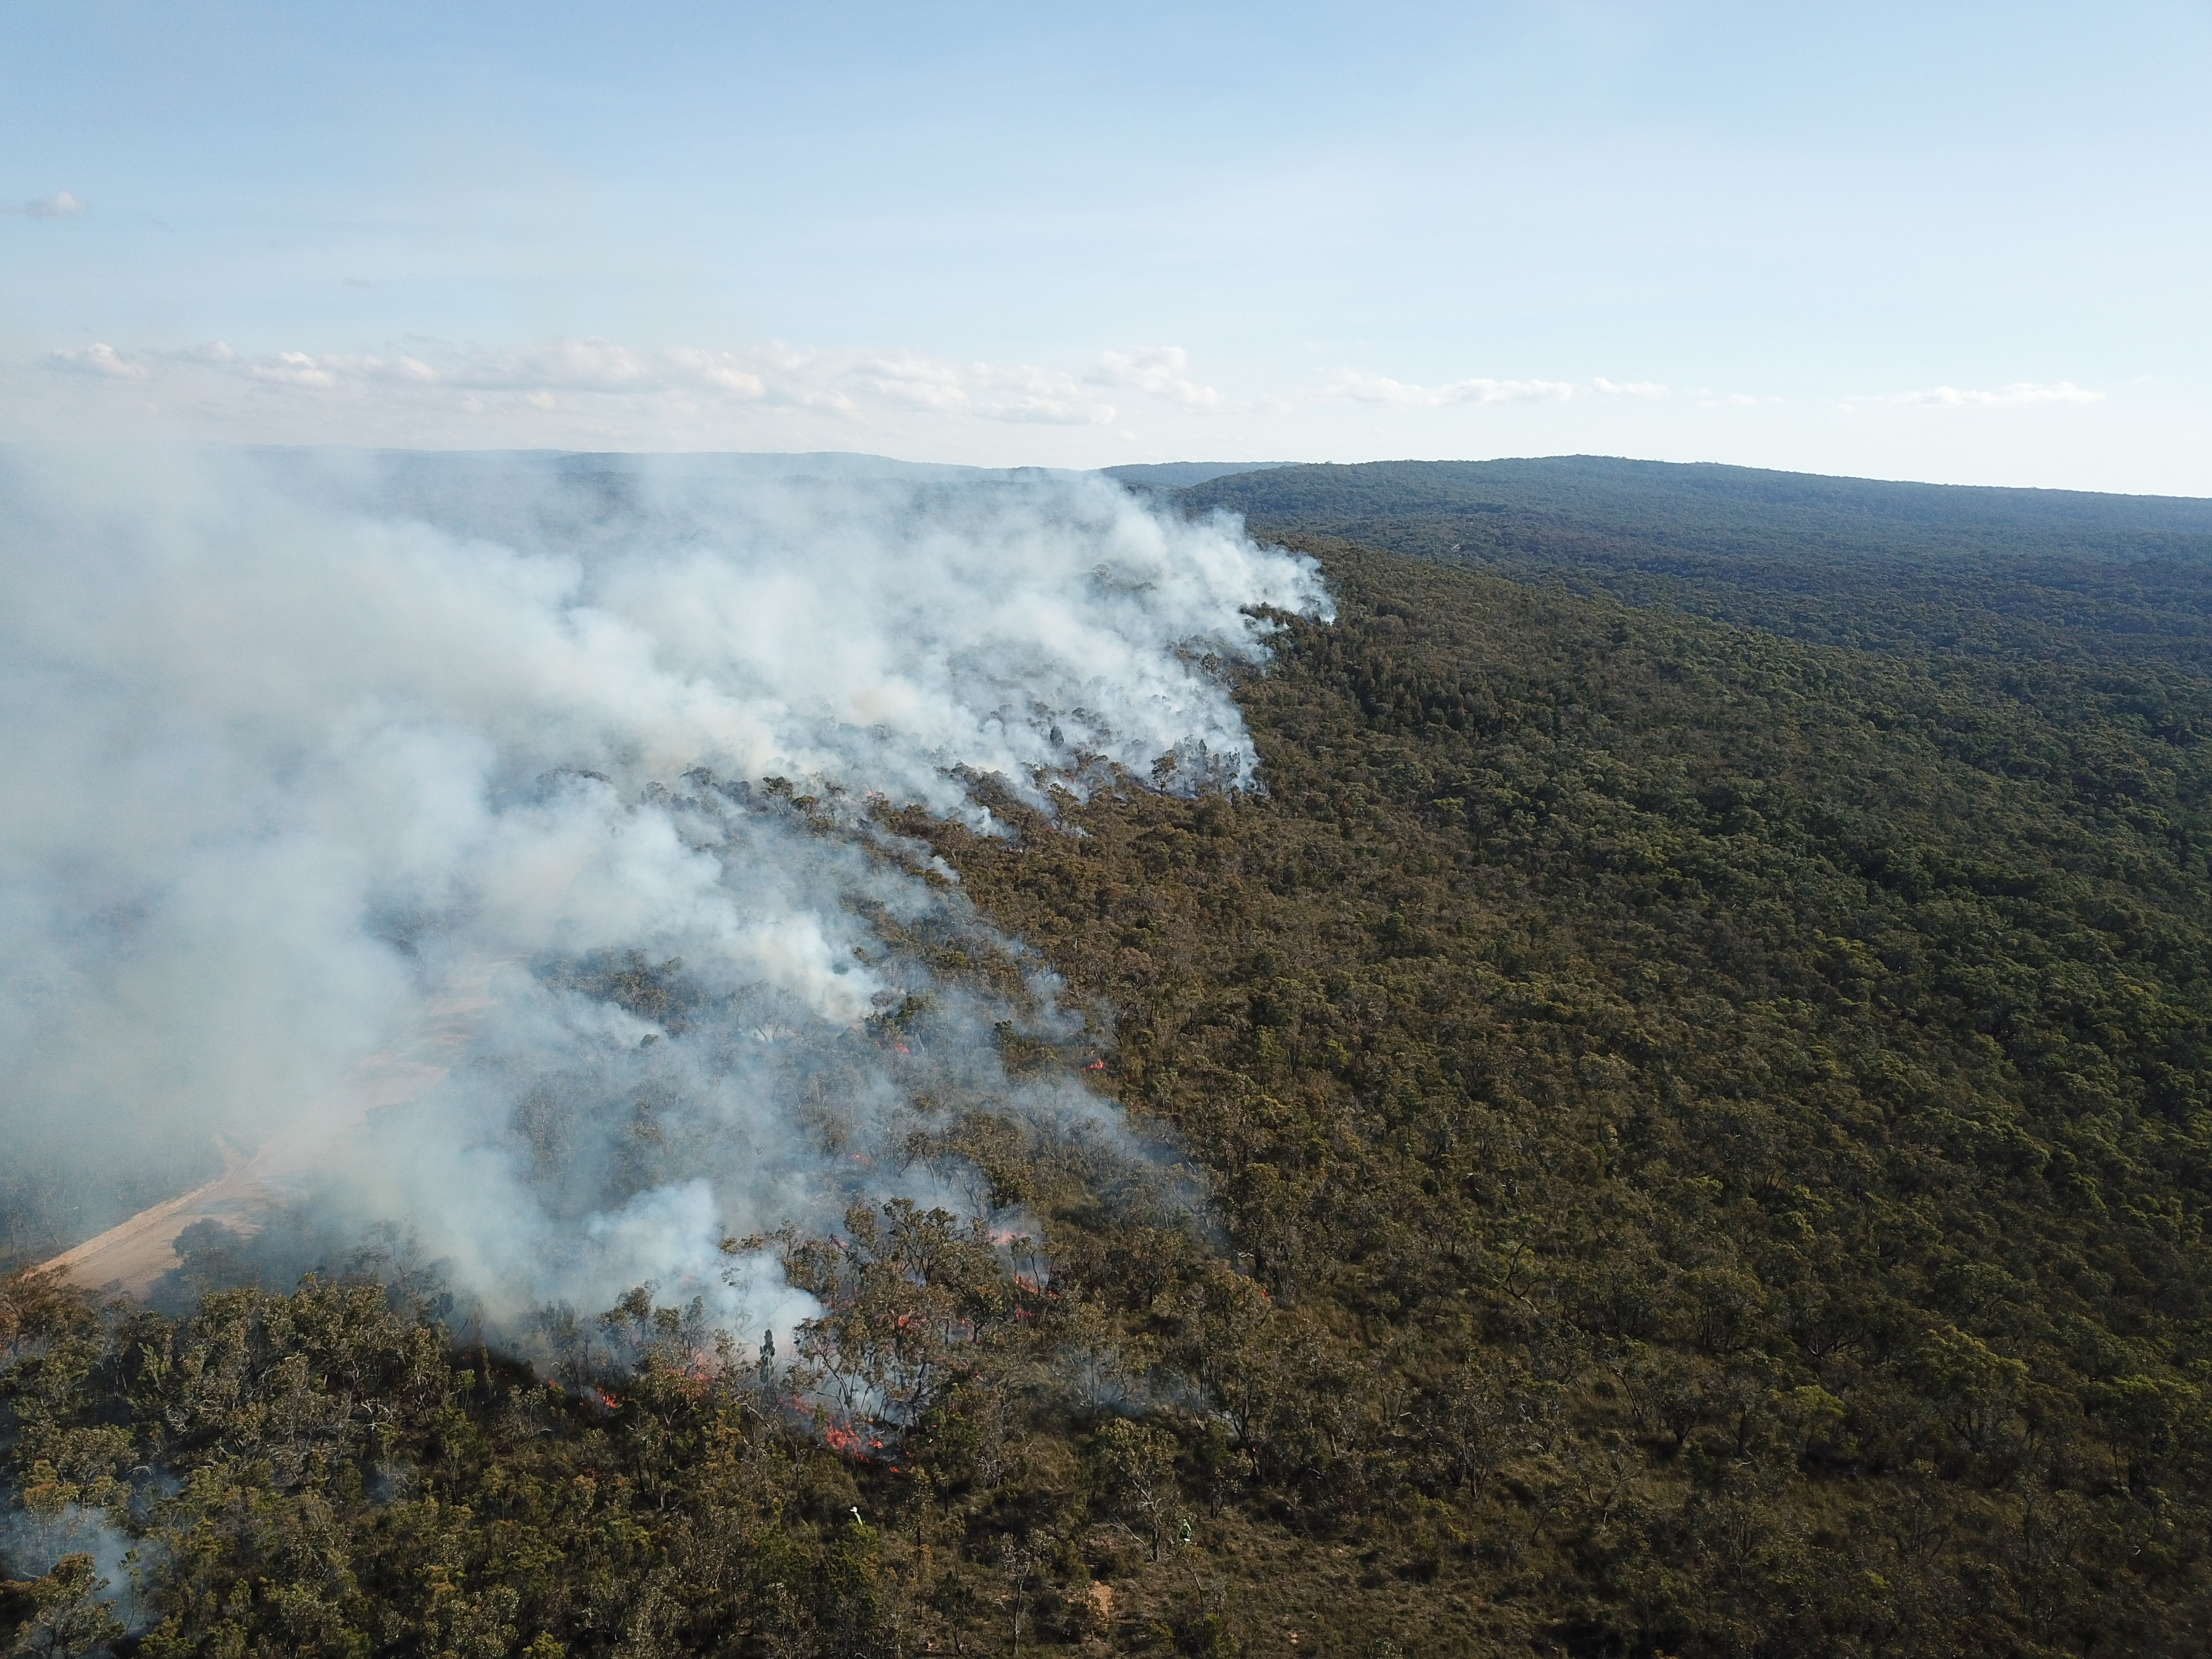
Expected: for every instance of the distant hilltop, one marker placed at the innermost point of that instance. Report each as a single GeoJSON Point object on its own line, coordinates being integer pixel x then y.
{"type": "Point", "coordinates": [1182, 475]}
{"type": "Point", "coordinates": [2025, 575]}
{"type": "Point", "coordinates": [1639, 494]}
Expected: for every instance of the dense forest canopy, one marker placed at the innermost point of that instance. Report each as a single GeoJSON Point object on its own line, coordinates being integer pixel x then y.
{"type": "Point", "coordinates": [2033, 575]}
{"type": "Point", "coordinates": [1693, 1086]}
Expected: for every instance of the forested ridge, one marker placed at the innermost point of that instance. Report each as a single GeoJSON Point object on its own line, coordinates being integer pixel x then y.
{"type": "Point", "coordinates": [2026, 576]}
{"type": "Point", "coordinates": [1685, 1105]}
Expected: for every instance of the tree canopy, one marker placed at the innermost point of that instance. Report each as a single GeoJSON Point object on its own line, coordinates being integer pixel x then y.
{"type": "Point", "coordinates": [1687, 1112]}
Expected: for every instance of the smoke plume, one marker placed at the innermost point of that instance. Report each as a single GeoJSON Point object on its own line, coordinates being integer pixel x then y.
{"type": "Point", "coordinates": [488, 846]}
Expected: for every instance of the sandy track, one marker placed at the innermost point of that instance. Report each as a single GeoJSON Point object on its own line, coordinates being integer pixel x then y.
{"type": "Point", "coordinates": [130, 1257]}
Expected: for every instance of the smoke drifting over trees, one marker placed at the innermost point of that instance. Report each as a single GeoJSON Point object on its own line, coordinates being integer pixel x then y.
{"type": "Point", "coordinates": [487, 845]}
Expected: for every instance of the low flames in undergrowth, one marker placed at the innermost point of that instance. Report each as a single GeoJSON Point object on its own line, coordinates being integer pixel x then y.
{"type": "Point", "coordinates": [911, 1299]}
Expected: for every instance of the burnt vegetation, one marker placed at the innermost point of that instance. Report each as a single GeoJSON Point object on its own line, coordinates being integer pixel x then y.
{"type": "Point", "coordinates": [1697, 1074]}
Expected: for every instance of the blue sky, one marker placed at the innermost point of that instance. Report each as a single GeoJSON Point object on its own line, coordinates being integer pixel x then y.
{"type": "Point", "coordinates": [1957, 242]}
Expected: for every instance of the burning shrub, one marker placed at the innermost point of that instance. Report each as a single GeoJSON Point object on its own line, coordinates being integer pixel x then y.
{"type": "Point", "coordinates": [908, 1294]}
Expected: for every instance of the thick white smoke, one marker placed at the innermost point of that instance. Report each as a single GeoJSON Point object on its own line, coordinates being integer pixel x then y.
{"type": "Point", "coordinates": [341, 791]}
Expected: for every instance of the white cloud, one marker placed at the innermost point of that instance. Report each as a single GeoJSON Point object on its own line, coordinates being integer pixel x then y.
{"type": "Point", "coordinates": [990, 392]}
{"type": "Point", "coordinates": [2020, 394]}
{"type": "Point", "coordinates": [1397, 394]}
{"type": "Point", "coordinates": [1053, 411]}
{"type": "Point", "coordinates": [553, 364]}
{"type": "Point", "coordinates": [295, 368]}
{"type": "Point", "coordinates": [102, 360]}
{"type": "Point", "coordinates": [924, 392]}
{"type": "Point", "coordinates": [1022, 393]}
{"type": "Point", "coordinates": [924, 381]}
{"type": "Point", "coordinates": [59, 205]}
{"type": "Point", "coordinates": [581, 376]}
{"type": "Point", "coordinates": [1161, 370]}
{"type": "Point", "coordinates": [1016, 393]}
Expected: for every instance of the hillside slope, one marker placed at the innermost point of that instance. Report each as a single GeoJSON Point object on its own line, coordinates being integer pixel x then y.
{"type": "Point", "coordinates": [1723, 1121]}
{"type": "Point", "coordinates": [1705, 1138]}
